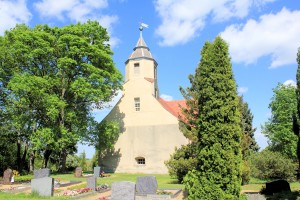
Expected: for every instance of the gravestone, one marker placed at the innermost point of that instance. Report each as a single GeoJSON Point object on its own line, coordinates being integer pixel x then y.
{"type": "Point", "coordinates": [7, 176]}
{"type": "Point", "coordinates": [43, 186]}
{"type": "Point", "coordinates": [146, 185]}
{"type": "Point", "coordinates": [123, 190]}
{"type": "Point", "coordinates": [277, 186]}
{"type": "Point", "coordinates": [41, 173]}
{"type": "Point", "coordinates": [91, 182]}
{"type": "Point", "coordinates": [78, 172]}
{"type": "Point", "coordinates": [97, 171]}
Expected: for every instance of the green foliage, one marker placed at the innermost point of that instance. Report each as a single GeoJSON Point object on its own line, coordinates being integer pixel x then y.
{"type": "Point", "coordinates": [82, 161]}
{"type": "Point", "coordinates": [245, 172]}
{"type": "Point", "coordinates": [51, 78]}
{"type": "Point", "coordinates": [94, 160]}
{"type": "Point", "coordinates": [248, 143]}
{"type": "Point", "coordinates": [218, 171]}
{"type": "Point", "coordinates": [271, 165]}
{"type": "Point", "coordinates": [7, 155]}
{"type": "Point", "coordinates": [279, 128]}
{"type": "Point", "coordinates": [243, 197]}
{"type": "Point", "coordinates": [72, 162]}
{"type": "Point", "coordinates": [296, 116]}
{"type": "Point", "coordinates": [181, 162]}
{"type": "Point", "coordinates": [103, 136]}
{"type": "Point", "coordinates": [26, 178]}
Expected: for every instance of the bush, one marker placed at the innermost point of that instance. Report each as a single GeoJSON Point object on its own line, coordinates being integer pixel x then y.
{"type": "Point", "coordinates": [245, 172]}
{"type": "Point", "coordinates": [72, 162]}
{"type": "Point", "coordinates": [271, 165]}
{"type": "Point", "coordinates": [181, 162]}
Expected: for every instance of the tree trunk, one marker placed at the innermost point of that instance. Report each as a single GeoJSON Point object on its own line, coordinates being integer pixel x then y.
{"type": "Point", "coordinates": [19, 164]}
{"type": "Point", "coordinates": [46, 157]}
{"type": "Point", "coordinates": [31, 161]}
{"type": "Point", "coordinates": [298, 156]}
{"type": "Point", "coordinates": [23, 159]}
{"type": "Point", "coordinates": [62, 161]}
{"type": "Point", "coordinates": [99, 157]}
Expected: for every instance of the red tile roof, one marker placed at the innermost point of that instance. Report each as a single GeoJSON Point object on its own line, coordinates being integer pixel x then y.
{"type": "Point", "coordinates": [173, 106]}
{"type": "Point", "coordinates": [151, 80]}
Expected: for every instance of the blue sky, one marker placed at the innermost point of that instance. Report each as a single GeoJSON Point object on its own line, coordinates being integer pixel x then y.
{"type": "Point", "coordinates": [263, 38]}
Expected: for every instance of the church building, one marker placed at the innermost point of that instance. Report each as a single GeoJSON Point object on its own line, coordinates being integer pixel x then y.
{"type": "Point", "coordinates": [149, 127]}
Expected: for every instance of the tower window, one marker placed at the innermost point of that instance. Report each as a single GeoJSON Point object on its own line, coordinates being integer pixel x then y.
{"type": "Point", "coordinates": [136, 68]}
{"type": "Point", "coordinates": [140, 161]}
{"type": "Point", "coordinates": [137, 104]}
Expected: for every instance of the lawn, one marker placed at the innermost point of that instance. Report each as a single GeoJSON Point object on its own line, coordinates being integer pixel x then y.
{"type": "Point", "coordinates": [257, 184]}
{"type": "Point", "coordinates": [164, 180]}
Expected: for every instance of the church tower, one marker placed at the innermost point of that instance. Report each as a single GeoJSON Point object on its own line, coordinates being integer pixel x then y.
{"type": "Point", "coordinates": [149, 130]}
{"type": "Point", "coordinates": [141, 65]}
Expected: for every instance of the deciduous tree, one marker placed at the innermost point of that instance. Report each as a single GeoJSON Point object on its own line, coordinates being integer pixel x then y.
{"type": "Point", "coordinates": [52, 79]}
{"type": "Point", "coordinates": [279, 127]}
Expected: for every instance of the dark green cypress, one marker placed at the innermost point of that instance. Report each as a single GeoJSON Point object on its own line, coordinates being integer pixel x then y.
{"type": "Point", "coordinates": [296, 117]}
{"type": "Point", "coordinates": [218, 173]}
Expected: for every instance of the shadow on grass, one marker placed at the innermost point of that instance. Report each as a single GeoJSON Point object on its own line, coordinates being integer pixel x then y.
{"type": "Point", "coordinates": [284, 196]}
{"type": "Point", "coordinates": [174, 182]}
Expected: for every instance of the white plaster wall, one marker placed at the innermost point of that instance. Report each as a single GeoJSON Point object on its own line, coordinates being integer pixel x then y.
{"type": "Point", "coordinates": [152, 132]}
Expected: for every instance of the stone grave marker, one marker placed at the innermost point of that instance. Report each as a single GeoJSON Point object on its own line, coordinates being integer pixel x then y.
{"type": "Point", "coordinates": [91, 182]}
{"type": "Point", "coordinates": [41, 173]}
{"type": "Point", "coordinates": [277, 186]}
{"type": "Point", "coordinates": [123, 190]}
{"type": "Point", "coordinates": [7, 176]}
{"type": "Point", "coordinates": [43, 186]}
{"type": "Point", "coordinates": [97, 171]}
{"type": "Point", "coordinates": [146, 185]}
{"type": "Point", "coordinates": [78, 172]}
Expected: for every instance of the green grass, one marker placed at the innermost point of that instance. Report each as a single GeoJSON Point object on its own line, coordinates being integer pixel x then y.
{"type": "Point", "coordinates": [164, 180]}
{"type": "Point", "coordinates": [257, 184]}
{"type": "Point", "coordinates": [8, 196]}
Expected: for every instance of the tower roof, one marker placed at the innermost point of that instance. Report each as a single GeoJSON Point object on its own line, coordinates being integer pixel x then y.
{"type": "Point", "coordinates": [141, 50]}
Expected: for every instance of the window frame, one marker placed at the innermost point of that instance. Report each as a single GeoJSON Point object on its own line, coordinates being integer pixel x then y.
{"type": "Point", "coordinates": [137, 104]}
{"type": "Point", "coordinates": [140, 161]}
{"type": "Point", "coordinates": [136, 68]}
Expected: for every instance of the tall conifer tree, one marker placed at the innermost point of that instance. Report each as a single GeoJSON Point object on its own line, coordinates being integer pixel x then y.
{"type": "Point", "coordinates": [218, 173]}
{"type": "Point", "coordinates": [295, 121]}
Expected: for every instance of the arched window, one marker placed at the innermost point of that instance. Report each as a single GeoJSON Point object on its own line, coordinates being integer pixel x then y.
{"type": "Point", "coordinates": [140, 160]}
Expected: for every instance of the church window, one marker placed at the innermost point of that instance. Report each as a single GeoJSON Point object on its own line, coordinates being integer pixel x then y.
{"type": "Point", "coordinates": [137, 104]}
{"type": "Point", "coordinates": [140, 161]}
{"type": "Point", "coordinates": [136, 68]}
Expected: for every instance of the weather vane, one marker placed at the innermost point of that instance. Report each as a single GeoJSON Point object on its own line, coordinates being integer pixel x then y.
{"type": "Point", "coordinates": [142, 26]}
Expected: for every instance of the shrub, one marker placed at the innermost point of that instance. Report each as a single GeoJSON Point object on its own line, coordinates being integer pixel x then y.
{"type": "Point", "coordinates": [181, 162]}
{"type": "Point", "coordinates": [271, 165]}
{"type": "Point", "coordinates": [72, 162]}
{"type": "Point", "coordinates": [245, 172]}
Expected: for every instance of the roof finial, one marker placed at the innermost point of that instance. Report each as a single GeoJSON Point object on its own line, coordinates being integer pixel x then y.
{"type": "Point", "coordinates": [142, 26]}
